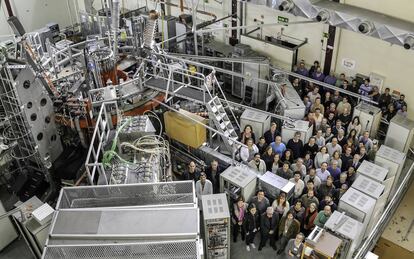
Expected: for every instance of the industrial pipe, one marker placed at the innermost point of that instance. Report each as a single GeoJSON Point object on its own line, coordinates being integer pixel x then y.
{"type": "Point", "coordinates": [365, 27]}
{"type": "Point", "coordinates": [322, 16]}
{"type": "Point", "coordinates": [286, 6]}
{"type": "Point", "coordinates": [409, 42]}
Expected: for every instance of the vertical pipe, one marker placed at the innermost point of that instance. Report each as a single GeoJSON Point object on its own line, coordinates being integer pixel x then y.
{"type": "Point", "coordinates": [8, 7]}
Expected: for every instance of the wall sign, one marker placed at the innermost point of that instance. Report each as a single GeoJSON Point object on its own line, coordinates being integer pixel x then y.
{"type": "Point", "coordinates": [348, 63]}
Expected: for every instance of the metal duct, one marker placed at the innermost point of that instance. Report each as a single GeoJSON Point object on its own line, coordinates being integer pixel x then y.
{"type": "Point", "coordinates": [384, 27]}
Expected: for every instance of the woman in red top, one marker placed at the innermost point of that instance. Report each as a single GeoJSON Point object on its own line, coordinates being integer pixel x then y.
{"type": "Point", "coordinates": [309, 218]}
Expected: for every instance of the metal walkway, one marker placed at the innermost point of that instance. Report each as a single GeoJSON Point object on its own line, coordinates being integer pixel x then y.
{"type": "Point", "coordinates": [189, 93]}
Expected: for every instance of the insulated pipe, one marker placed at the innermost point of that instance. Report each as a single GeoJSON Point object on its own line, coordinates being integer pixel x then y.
{"type": "Point", "coordinates": [115, 13]}
{"type": "Point", "coordinates": [286, 5]}
{"type": "Point", "coordinates": [322, 16]}
{"type": "Point", "coordinates": [365, 27]}
{"type": "Point", "coordinates": [409, 42]}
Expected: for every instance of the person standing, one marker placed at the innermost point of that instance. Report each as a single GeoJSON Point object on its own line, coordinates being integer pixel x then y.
{"type": "Point", "coordinates": [192, 172]}
{"type": "Point", "coordinates": [258, 164]}
{"type": "Point", "coordinates": [295, 246]}
{"type": "Point", "coordinates": [247, 153]}
{"type": "Point", "coordinates": [288, 228]}
{"type": "Point", "coordinates": [251, 225]}
{"type": "Point", "coordinates": [268, 228]}
{"type": "Point", "coordinates": [213, 174]}
{"type": "Point", "coordinates": [260, 201]}
{"type": "Point", "coordinates": [296, 145]}
{"type": "Point", "coordinates": [203, 187]}
{"type": "Point", "coordinates": [239, 213]}
{"type": "Point", "coordinates": [323, 216]}
{"type": "Point", "coordinates": [271, 134]}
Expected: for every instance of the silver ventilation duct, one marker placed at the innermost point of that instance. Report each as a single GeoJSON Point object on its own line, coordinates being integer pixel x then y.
{"type": "Point", "coordinates": [384, 27]}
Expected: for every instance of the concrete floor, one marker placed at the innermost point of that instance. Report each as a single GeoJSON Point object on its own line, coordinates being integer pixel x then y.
{"type": "Point", "coordinates": [238, 250]}
{"type": "Point", "coordinates": [16, 250]}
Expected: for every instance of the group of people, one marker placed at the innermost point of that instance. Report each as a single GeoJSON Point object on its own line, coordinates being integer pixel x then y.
{"type": "Point", "coordinates": [322, 168]}
{"type": "Point", "coordinates": [388, 105]}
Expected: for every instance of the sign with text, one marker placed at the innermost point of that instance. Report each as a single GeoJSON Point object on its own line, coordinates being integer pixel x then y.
{"type": "Point", "coordinates": [282, 19]}
{"type": "Point", "coordinates": [348, 63]}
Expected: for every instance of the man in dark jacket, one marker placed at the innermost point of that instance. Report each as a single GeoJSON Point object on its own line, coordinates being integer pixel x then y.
{"type": "Point", "coordinates": [288, 228]}
{"type": "Point", "coordinates": [271, 134]}
{"type": "Point", "coordinates": [296, 145]}
{"type": "Point", "coordinates": [213, 174]}
{"type": "Point", "coordinates": [192, 173]}
{"type": "Point", "coordinates": [268, 228]}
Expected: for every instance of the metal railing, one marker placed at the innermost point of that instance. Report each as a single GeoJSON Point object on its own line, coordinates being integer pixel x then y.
{"type": "Point", "coordinates": [100, 137]}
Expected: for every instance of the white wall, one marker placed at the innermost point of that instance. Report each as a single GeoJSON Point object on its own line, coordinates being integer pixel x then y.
{"type": "Point", "coordinates": [35, 14]}
{"type": "Point", "coordinates": [373, 55]}
{"type": "Point", "coordinates": [311, 51]}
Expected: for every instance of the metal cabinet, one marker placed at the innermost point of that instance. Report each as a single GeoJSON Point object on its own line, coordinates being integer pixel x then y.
{"type": "Point", "coordinates": [393, 160]}
{"type": "Point", "coordinates": [302, 126]}
{"type": "Point", "coordinates": [238, 180]}
{"type": "Point", "coordinates": [377, 173]}
{"type": "Point", "coordinates": [260, 122]}
{"type": "Point", "coordinates": [400, 133]}
{"type": "Point", "coordinates": [348, 230]}
{"type": "Point", "coordinates": [273, 185]}
{"type": "Point", "coordinates": [357, 205]}
{"type": "Point", "coordinates": [216, 217]}
{"type": "Point", "coordinates": [369, 116]}
{"type": "Point", "coordinates": [374, 190]}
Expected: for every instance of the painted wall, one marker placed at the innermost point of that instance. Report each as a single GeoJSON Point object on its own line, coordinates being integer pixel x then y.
{"type": "Point", "coordinates": [372, 55]}
{"type": "Point", "coordinates": [35, 14]}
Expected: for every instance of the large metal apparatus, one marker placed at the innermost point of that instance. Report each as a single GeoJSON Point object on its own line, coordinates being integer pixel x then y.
{"type": "Point", "coordinates": [100, 228]}
{"type": "Point", "coordinates": [400, 133]}
{"type": "Point", "coordinates": [367, 22]}
{"type": "Point", "coordinates": [103, 67]}
{"type": "Point", "coordinates": [238, 180]}
{"type": "Point", "coordinates": [288, 101]}
{"type": "Point", "coordinates": [348, 230]}
{"type": "Point", "coordinates": [216, 217]}
{"type": "Point", "coordinates": [126, 221]}
{"type": "Point", "coordinates": [273, 185]}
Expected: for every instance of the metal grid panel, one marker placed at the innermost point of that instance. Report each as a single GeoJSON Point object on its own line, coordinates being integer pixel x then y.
{"type": "Point", "coordinates": [159, 250]}
{"type": "Point", "coordinates": [142, 223]}
{"type": "Point", "coordinates": [152, 194]}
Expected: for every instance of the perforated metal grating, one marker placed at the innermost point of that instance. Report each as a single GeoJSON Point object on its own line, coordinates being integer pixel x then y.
{"type": "Point", "coordinates": [159, 250]}
{"type": "Point", "coordinates": [127, 195]}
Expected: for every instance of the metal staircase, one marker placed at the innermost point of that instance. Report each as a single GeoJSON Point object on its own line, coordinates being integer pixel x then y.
{"type": "Point", "coordinates": [149, 32]}
{"type": "Point", "coordinates": [218, 115]}
{"type": "Point", "coordinates": [222, 122]}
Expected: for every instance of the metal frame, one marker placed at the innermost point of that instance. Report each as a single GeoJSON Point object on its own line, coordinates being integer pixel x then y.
{"type": "Point", "coordinates": [127, 247]}
{"type": "Point", "coordinates": [116, 236]}
{"type": "Point", "coordinates": [118, 189]}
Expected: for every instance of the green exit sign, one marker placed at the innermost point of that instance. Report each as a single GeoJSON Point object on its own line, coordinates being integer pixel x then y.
{"type": "Point", "coordinates": [282, 19]}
